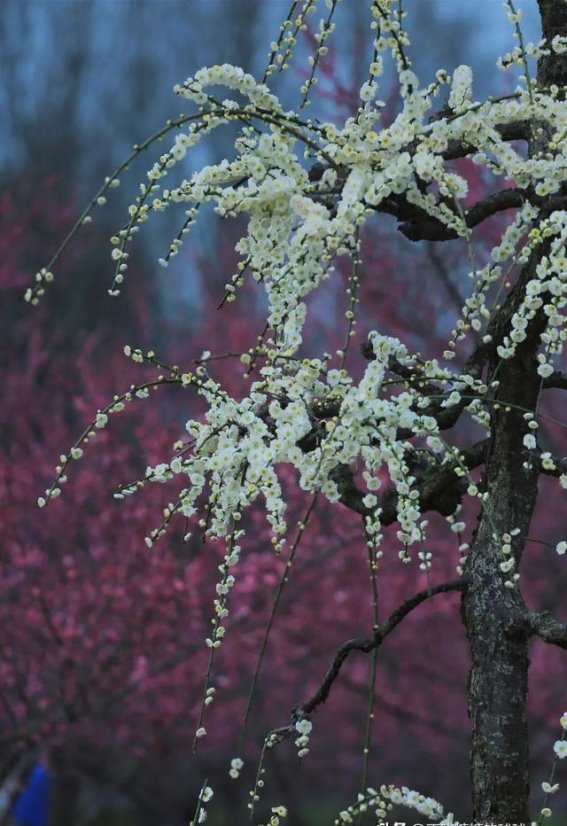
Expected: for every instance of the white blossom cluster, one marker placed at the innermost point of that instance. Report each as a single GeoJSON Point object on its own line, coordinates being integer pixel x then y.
{"type": "Point", "coordinates": [222, 588]}
{"type": "Point", "coordinates": [367, 802]}
{"type": "Point", "coordinates": [303, 728]}
{"type": "Point", "coordinates": [236, 765]}
{"type": "Point", "coordinates": [205, 796]}
{"type": "Point", "coordinates": [413, 800]}
{"type": "Point", "coordinates": [508, 566]}
{"type": "Point", "coordinates": [381, 802]}
{"type": "Point", "coordinates": [301, 411]}
{"type": "Point", "coordinates": [547, 291]}
{"type": "Point", "coordinates": [294, 236]}
{"type": "Point", "coordinates": [238, 445]}
{"type": "Point", "coordinates": [278, 813]}
{"type": "Point", "coordinates": [558, 45]}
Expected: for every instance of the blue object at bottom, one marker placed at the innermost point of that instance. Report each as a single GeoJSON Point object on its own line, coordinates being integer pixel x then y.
{"type": "Point", "coordinates": [31, 807]}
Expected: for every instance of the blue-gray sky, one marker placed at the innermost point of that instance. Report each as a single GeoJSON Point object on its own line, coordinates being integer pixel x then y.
{"type": "Point", "coordinates": [117, 60]}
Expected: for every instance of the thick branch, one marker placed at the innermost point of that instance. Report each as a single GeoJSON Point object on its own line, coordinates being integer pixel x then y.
{"type": "Point", "coordinates": [552, 68]}
{"type": "Point", "coordinates": [539, 624]}
{"type": "Point", "coordinates": [440, 489]}
{"type": "Point", "coordinates": [548, 629]}
{"type": "Point", "coordinates": [518, 131]}
{"type": "Point", "coordinates": [557, 380]}
{"type": "Point", "coordinates": [428, 228]}
{"type": "Point", "coordinates": [418, 225]}
{"type": "Point", "coordinates": [367, 644]}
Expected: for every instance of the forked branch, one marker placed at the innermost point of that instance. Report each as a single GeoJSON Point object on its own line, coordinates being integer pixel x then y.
{"type": "Point", "coordinates": [367, 644]}
{"type": "Point", "coordinates": [539, 624]}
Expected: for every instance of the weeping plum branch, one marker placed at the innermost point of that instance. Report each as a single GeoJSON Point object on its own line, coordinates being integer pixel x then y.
{"type": "Point", "coordinates": [307, 190]}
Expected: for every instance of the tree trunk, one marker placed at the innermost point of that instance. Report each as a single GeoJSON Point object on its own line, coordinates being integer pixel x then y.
{"type": "Point", "coordinates": [553, 68]}
{"type": "Point", "coordinates": [498, 681]}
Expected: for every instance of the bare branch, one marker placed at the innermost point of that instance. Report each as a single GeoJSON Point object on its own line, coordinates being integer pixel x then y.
{"type": "Point", "coordinates": [442, 272]}
{"type": "Point", "coordinates": [367, 644]}
{"type": "Point", "coordinates": [401, 712]}
{"type": "Point", "coordinates": [548, 629]}
{"type": "Point", "coordinates": [556, 380]}
{"type": "Point", "coordinates": [539, 624]}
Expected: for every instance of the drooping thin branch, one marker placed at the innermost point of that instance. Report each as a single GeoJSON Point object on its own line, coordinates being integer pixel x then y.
{"type": "Point", "coordinates": [399, 711]}
{"type": "Point", "coordinates": [442, 273]}
{"type": "Point", "coordinates": [368, 644]}
{"type": "Point", "coordinates": [275, 605]}
{"type": "Point", "coordinates": [446, 417]}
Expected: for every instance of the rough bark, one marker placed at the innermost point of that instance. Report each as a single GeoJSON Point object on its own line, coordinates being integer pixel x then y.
{"type": "Point", "coordinates": [498, 680]}
{"type": "Point", "coordinates": [553, 69]}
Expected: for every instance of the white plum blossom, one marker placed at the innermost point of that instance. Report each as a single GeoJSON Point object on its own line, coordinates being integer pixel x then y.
{"type": "Point", "coordinates": [461, 88]}
{"type": "Point", "coordinates": [548, 788]}
{"type": "Point", "coordinates": [306, 412]}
